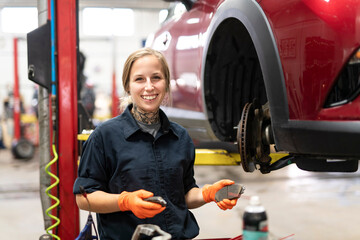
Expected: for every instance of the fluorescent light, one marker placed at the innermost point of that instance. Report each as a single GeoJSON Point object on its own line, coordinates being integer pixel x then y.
{"type": "Point", "coordinates": [108, 21]}
{"type": "Point", "coordinates": [19, 19]}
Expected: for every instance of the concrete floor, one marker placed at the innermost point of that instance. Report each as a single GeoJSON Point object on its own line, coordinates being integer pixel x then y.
{"type": "Point", "coordinates": [299, 204]}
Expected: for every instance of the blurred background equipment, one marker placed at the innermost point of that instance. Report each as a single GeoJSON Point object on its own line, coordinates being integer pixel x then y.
{"type": "Point", "coordinates": [22, 148]}
{"type": "Point", "coordinates": [86, 96]}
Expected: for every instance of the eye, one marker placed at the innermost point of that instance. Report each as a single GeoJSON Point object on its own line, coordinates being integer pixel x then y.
{"type": "Point", "coordinates": [138, 79]}
{"type": "Point", "coordinates": [157, 77]}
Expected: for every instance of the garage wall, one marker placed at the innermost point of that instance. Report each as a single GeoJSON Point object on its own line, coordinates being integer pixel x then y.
{"type": "Point", "coordinates": [99, 52]}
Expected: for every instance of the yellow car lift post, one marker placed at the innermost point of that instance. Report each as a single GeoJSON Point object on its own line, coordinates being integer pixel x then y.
{"type": "Point", "coordinates": [223, 157]}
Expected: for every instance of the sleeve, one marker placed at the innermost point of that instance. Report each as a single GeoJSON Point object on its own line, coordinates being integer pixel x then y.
{"type": "Point", "coordinates": [189, 180]}
{"type": "Point", "coordinates": [92, 168]}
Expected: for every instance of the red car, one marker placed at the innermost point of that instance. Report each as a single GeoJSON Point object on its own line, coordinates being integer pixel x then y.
{"type": "Point", "coordinates": [263, 72]}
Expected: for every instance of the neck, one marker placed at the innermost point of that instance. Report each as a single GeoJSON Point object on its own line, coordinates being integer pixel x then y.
{"type": "Point", "coordinates": [145, 117]}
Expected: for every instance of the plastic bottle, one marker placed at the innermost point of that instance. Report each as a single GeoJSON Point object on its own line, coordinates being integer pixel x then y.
{"type": "Point", "coordinates": [255, 225]}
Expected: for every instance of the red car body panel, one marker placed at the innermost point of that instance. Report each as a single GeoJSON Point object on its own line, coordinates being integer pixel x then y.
{"type": "Point", "coordinates": [303, 47]}
{"type": "Point", "coordinates": [186, 83]}
{"type": "Point", "coordinates": [315, 39]}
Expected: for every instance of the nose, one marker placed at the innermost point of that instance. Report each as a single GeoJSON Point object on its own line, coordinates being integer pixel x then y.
{"type": "Point", "coordinates": [149, 85]}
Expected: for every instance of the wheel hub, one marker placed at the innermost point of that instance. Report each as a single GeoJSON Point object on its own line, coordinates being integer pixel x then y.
{"type": "Point", "coordinates": [253, 147]}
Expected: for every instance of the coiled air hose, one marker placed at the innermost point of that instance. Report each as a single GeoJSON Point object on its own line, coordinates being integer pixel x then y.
{"type": "Point", "coordinates": [57, 201]}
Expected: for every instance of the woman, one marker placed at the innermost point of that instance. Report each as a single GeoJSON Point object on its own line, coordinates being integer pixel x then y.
{"type": "Point", "coordinates": [140, 154]}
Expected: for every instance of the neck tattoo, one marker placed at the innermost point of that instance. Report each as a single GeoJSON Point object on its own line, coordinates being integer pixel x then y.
{"type": "Point", "coordinates": [145, 117]}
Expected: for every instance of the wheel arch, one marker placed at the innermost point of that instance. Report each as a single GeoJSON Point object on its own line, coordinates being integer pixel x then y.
{"type": "Point", "coordinates": [251, 16]}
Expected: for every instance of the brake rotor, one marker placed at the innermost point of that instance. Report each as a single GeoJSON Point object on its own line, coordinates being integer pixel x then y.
{"type": "Point", "coordinates": [250, 137]}
{"type": "Point", "coordinates": [244, 138]}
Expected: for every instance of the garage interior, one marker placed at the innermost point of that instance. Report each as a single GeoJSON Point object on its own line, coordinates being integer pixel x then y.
{"type": "Point", "coordinates": [299, 204]}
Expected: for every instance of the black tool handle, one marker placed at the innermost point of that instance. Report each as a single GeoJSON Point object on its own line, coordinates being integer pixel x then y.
{"type": "Point", "coordinates": [156, 199]}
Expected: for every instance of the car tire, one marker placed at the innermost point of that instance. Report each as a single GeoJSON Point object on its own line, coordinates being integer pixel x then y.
{"type": "Point", "coordinates": [23, 149]}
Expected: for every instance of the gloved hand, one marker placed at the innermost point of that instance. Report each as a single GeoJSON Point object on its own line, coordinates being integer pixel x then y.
{"type": "Point", "coordinates": [227, 204]}
{"type": "Point", "coordinates": [134, 201]}
{"type": "Point", "coordinates": [209, 191]}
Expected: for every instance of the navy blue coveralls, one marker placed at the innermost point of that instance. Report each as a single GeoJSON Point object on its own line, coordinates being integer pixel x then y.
{"type": "Point", "coordinates": [119, 156]}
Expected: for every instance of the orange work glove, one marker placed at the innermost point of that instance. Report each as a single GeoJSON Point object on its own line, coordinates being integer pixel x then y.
{"type": "Point", "coordinates": [209, 191]}
{"type": "Point", "coordinates": [134, 201]}
{"type": "Point", "coordinates": [227, 204]}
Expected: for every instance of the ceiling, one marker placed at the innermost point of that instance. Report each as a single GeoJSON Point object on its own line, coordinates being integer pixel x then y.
{"type": "Point", "coordinates": [136, 4]}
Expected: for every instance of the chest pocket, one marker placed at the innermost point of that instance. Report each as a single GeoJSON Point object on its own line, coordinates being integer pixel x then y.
{"type": "Point", "coordinates": [136, 179]}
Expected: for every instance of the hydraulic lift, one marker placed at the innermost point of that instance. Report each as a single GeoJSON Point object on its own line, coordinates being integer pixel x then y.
{"type": "Point", "coordinates": [56, 40]}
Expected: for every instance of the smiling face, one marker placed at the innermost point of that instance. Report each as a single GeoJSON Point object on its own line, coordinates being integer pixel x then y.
{"type": "Point", "coordinates": [147, 84]}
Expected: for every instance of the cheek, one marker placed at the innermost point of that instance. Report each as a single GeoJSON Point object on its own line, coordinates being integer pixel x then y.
{"type": "Point", "coordinates": [133, 88]}
{"type": "Point", "coordinates": [162, 86]}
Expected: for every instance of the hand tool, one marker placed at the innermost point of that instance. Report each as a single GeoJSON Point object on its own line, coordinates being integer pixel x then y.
{"type": "Point", "coordinates": [156, 199]}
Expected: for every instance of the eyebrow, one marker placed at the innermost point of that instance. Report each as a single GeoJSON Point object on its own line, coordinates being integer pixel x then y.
{"type": "Point", "coordinates": [153, 74]}
{"type": "Point", "coordinates": [138, 75]}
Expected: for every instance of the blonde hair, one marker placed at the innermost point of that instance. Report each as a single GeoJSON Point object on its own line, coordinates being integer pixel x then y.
{"type": "Point", "coordinates": [126, 100]}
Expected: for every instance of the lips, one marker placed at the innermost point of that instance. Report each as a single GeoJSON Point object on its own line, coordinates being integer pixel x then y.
{"type": "Point", "coordinates": [149, 97]}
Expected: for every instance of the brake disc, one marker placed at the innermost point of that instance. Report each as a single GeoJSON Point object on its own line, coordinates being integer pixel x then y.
{"type": "Point", "coordinates": [250, 137]}
{"type": "Point", "coordinates": [244, 138]}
